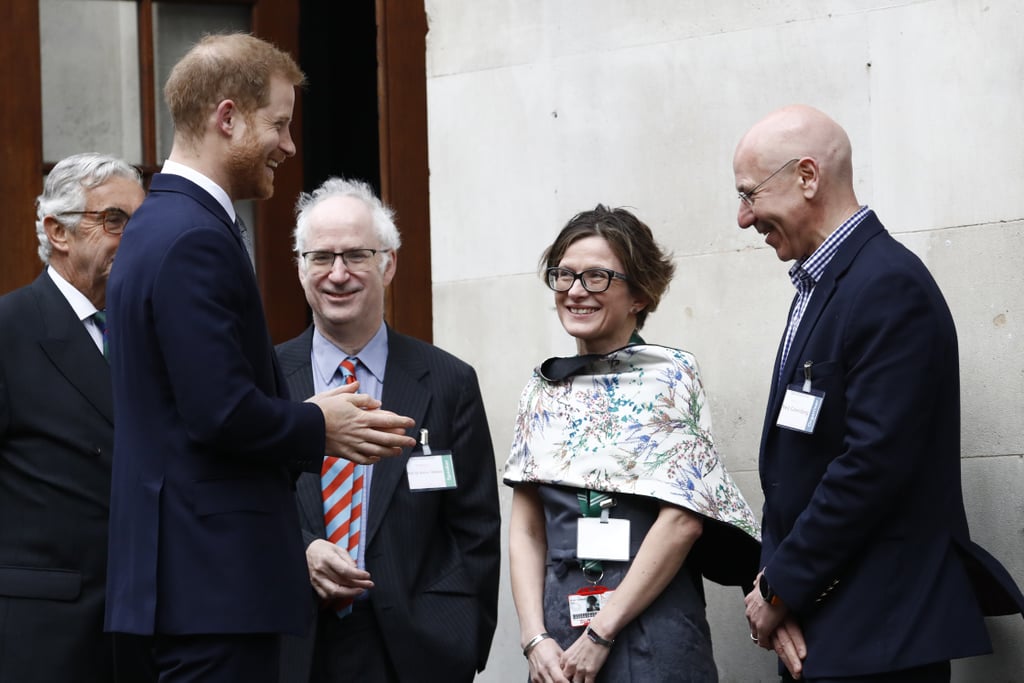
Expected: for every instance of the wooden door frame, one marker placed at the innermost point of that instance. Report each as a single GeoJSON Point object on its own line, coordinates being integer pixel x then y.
{"type": "Point", "coordinates": [404, 166]}
{"type": "Point", "coordinates": [21, 141]}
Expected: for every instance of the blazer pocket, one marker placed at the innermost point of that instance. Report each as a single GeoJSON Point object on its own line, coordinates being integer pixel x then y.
{"type": "Point", "coordinates": [454, 581]}
{"type": "Point", "coordinates": [218, 496]}
{"type": "Point", "coordinates": [38, 583]}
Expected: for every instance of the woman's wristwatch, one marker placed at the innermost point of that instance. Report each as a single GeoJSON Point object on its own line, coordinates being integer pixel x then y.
{"type": "Point", "coordinates": [595, 638]}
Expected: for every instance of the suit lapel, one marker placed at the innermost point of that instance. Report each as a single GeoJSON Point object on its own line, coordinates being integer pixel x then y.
{"type": "Point", "coordinates": [168, 182]}
{"type": "Point", "coordinates": [293, 359]}
{"type": "Point", "coordinates": [70, 348]}
{"type": "Point", "coordinates": [824, 290]}
{"type": "Point", "coordinates": [405, 394]}
{"type": "Point", "coordinates": [310, 499]}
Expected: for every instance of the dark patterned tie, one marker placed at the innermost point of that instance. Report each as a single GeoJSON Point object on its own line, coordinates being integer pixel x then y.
{"type": "Point", "coordinates": [99, 319]}
{"type": "Point", "coordinates": [243, 229]}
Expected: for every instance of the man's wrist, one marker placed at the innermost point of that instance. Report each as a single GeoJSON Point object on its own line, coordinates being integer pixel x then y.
{"type": "Point", "coordinates": [768, 593]}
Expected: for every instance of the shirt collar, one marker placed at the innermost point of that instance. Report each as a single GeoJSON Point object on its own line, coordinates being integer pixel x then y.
{"type": "Point", "coordinates": [215, 190]}
{"type": "Point", "coordinates": [79, 302]}
{"type": "Point", "coordinates": [373, 356]}
{"type": "Point", "coordinates": [805, 273]}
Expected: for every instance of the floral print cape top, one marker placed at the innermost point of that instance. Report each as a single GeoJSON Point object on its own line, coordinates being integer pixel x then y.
{"type": "Point", "coordinates": [634, 421]}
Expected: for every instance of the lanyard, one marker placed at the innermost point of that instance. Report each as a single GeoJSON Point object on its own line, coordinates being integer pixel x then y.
{"type": "Point", "coordinates": [593, 504]}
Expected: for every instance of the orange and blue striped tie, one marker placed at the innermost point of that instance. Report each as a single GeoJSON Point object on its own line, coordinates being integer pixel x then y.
{"type": "Point", "coordinates": [342, 484]}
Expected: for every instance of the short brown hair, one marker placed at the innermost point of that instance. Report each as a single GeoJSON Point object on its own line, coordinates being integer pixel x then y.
{"type": "Point", "coordinates": [647, 265]}
{"type": "Point", "coordinates": [224, 66]}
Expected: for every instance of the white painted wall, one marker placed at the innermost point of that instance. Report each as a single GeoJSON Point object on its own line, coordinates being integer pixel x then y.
{"type": "Point", "coordinates": [542, 108]}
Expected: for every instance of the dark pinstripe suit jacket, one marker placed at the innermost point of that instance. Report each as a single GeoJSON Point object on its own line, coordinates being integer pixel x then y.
{"type": "Point", "coordinates": [433, 556]}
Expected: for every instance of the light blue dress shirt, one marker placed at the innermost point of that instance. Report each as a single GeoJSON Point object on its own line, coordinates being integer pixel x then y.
{"type": "Point", "coordinates": [325, 358]}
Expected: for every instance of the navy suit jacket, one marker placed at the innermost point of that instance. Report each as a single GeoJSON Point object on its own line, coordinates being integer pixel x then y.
{"type": "Point", "coordinates": [433, 556]}
{"type": "Point", "coordinates": [864, 532]}
{"type": "Point", "coordinates": [205, 537]}
{"type": "Point", "coordinates": [56, 440]}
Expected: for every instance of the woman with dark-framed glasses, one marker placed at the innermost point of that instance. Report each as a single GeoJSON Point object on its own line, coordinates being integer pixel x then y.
{"type": "Point", "coordinates": [620, 501]}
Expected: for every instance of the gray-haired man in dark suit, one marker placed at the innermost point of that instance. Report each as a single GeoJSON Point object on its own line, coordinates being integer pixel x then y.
{"type": "Point", "coordinates": [56, 437]}
{"type": "Point", "coordinates": [407, 586]}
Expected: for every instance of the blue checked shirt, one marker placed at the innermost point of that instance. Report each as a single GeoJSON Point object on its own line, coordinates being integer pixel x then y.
{"type": "Point", "coordinates": [806, 273]}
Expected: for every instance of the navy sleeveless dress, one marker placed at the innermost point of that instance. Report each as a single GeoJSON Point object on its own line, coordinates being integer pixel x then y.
{"type": "Point", "coordinates": [669, 642]}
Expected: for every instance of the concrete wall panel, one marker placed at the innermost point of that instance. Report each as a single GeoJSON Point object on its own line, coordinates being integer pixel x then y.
{"type": "Point", "coordinates": [539, 109]}
{"type": "Point", "coordinates": [945, 92]}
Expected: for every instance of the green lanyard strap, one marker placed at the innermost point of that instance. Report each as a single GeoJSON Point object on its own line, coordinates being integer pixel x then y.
{"type": "Point", "coordinates": [591, 506]}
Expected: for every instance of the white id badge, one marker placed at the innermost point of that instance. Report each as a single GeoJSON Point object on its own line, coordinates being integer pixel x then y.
{"type": "Point", "coordinates": [800, 409]}
{"type": "Point", "coordinates": [431, 472]}
{"type": "Point", "coordinates": [585, 605]}
{"type": "Point", "coordinates": [597, 539]}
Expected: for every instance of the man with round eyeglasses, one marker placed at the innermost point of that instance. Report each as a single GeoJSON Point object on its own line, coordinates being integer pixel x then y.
{"type": "Point", "coordinates": [57, 434]}
{"type": "Point", "coordinates": [354, 259]}
{"type": "Point", "coordinates": [427, 552]}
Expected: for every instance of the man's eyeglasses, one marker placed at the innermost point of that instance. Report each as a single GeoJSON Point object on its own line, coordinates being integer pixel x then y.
{"type": "Point", "coordinates": [112, 220]}
{"type": "Point", "coordinates": [594, 280]}
{"type": "Point", "coordinates": [354, 259]}
{"type": "Point", "coordinates": [748, 196]}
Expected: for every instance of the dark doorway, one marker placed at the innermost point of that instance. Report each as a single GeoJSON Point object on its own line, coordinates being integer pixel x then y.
{"type": "Point", "coordinates": [338, 52]}
{"type": "Point", "coordinates": [365, 117]}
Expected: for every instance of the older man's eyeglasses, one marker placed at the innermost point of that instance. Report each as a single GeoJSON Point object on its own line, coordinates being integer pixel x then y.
{"type": "Point", "coordinates": [112, 220]}
{"type": "Point", "coordinates": [355, 260]}
{"type": "Point", "coordinates": [594, 280]}
{"type": "Point", "coordinates": [748, 196]}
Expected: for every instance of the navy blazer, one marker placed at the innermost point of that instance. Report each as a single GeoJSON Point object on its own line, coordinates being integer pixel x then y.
{"type": "Point", "coordinates": [204, 532]}
{"type": "Point", "coordinates": [433, 556]}
{"type": "Point", "coordinates": [56, 440]}
{"type": "Point", "coordinates": [864, 532]}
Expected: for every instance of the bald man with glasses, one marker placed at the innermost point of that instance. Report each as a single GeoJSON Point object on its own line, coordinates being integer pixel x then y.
{"type": "Point", "coordinates": [868, 570]}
